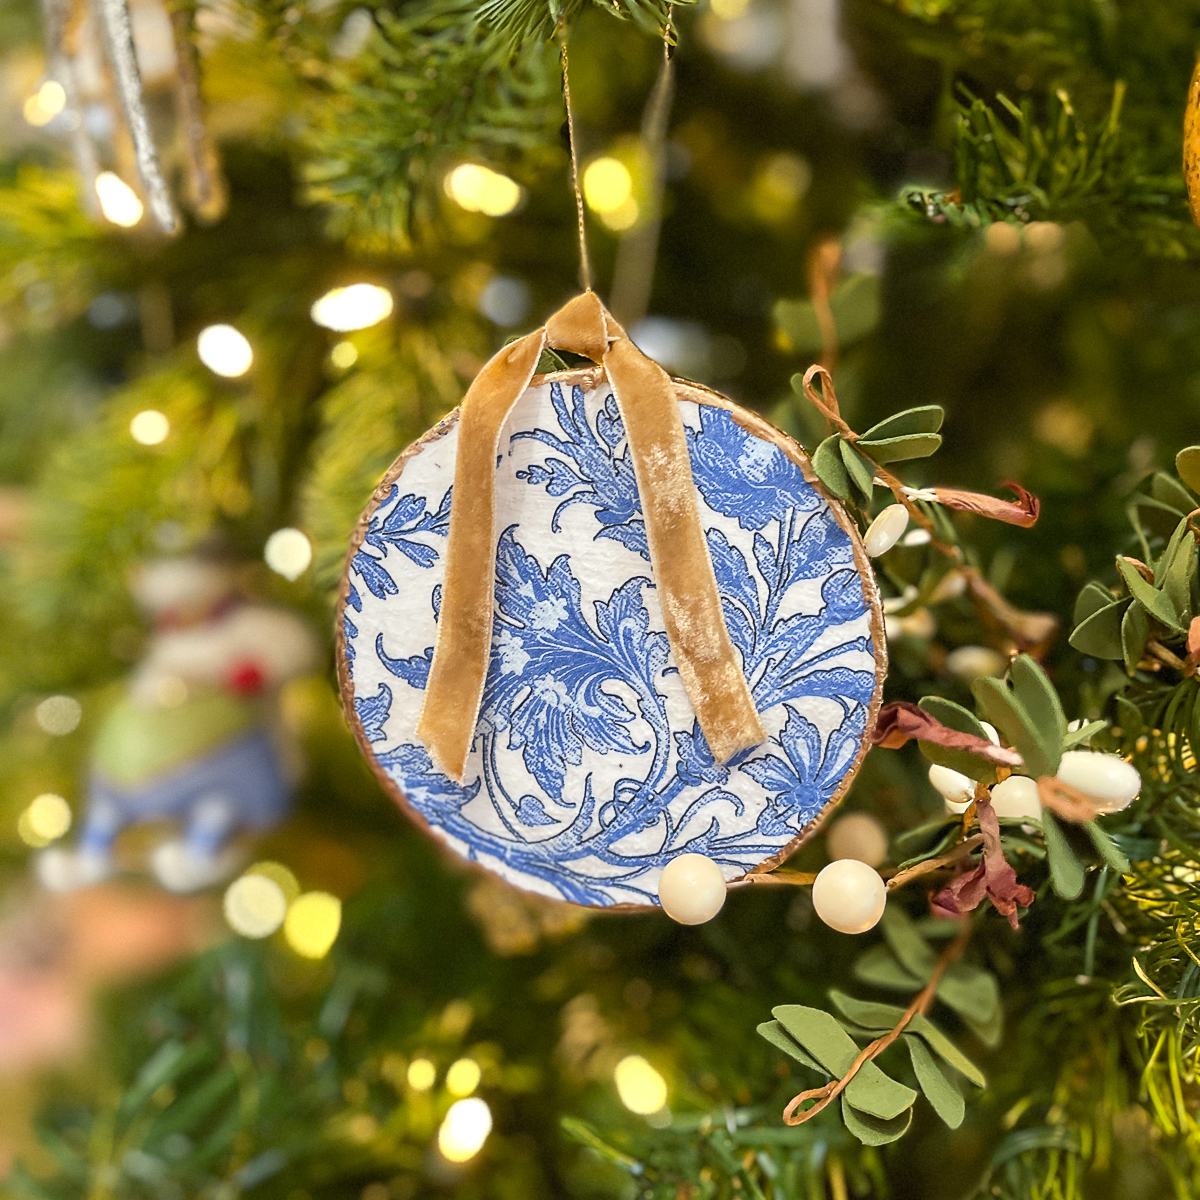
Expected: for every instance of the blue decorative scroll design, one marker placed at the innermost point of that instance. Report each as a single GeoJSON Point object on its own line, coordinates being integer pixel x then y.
{"type": "Point", "coordinates": [550, 687]}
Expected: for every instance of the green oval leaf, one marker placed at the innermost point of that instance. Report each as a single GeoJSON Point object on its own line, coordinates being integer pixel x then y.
{"type": "Point", "coordinates": [861, 472]}
{"type": "Point", "coordinates": [827, 464]}
{"type": "Point", "coordinates": [1066, 871]}
{"type": "Point", "coordinates": [936, 1083]}
{"type": "Point", "coordinates": [872, 1131]}
{"type": "Point", "coordinates": [927, 418]}
{"type": "Point", "coordinates": [1099, 634]}
{"type": "Point", "coordinates": [901, 449]}
{"type": "Point", "coordinates": [1187, 464]}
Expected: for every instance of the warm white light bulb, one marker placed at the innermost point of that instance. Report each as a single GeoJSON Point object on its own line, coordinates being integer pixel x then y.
{"type": "Point", "coordinates": [480, 189]}
{"type": "Point", "coordinates": [312, 924]}
{"type": "Point", "coordinates": [288, 553]}
{"type": "Point", "coordinates": [464, 1129]}
{"type": "Point", "coordinates": [47, 818]}
{"type": "Point", "coordinates": [641, 1088]}
{"type": "Point", "coordinates": [45, 104]}
{"type": "Point", "coordinates": [224, 351]}
{"type": "Point", "coordinates": [149, 427]}
{"type": "Point", "coordinates": [58, 715]}
{"type": "Point", "coordinates": [118, 201]}
{"type": "Point", "coordinates": [358, 306]}
{"type": "Point", "coordinates": [255, 906]}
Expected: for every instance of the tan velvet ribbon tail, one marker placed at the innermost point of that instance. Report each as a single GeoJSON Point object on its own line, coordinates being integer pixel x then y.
{"type": "Point", "coordinates": [463, 646]}
{"type": "Point", "coordinates": [683, 572]}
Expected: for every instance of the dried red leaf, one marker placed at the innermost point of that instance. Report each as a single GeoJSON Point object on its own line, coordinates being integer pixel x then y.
{"type": "Point", "coordinates": [1023, 511]}
{"type": "Point", "coordinates": [902, 721]}
{"type": "Point", "coordinates": [1193, 640]}
{"type": "Point", "coordinates": [994, 878]}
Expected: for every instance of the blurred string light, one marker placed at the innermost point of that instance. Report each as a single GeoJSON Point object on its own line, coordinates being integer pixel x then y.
{"type": "Point", "coordinates": [608, 190]}
{"type": "Point", "coordinates": [641, 1088]}
{"type": "Point", "coordinates": [464, 1129]}
{"type": "Point", "coordinates": [279, 874]}
{"type": "Point", "coordinates": [728, 10]}
{"type": "Point", "coordinates": [480, 189]}
{"type": "Point", "coordinates": [224, 351]}
{"type": "Point", "coordinates": [58, 715]}
{"type": "Point", "coordinates": [149, 427]}
{"type": "Point", "coordinates": [45, 104]}
{"type": "Point", "coordinates": [288, 552]}
{"type": "Point", "coordinates": [255, 906]}
{"type": "Point", "coordinates": [344, 355]}
{"type": "Point", "coordinates": [118, 201]}
{"type": "Point", "coordinates": [463, 1077]}
{"type": "Point", "coordinates": [358, 306]}
{"type": "Point", "coordinates": [422, 1075]}
{"type": "Point", "coordinates": [312, 923]}
{"type": "Point", "coordinates": [46, 819]}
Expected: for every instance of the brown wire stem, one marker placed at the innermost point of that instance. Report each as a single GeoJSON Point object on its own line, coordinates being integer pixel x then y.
{"type": "Point", "coordinates": [585, 265]}
{"type": "Point", "coordinates": [920, 1005]}
{"type": "Point", "coordinates": [900, 878]}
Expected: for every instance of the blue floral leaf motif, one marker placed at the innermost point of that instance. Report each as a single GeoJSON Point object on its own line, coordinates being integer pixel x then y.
{"type": "Point", "coordinates": [743, 476]}
{"type": "Point", "coordinates": [531, 811]}
{"type": "Point", "coordinates": [609, 424]}
{"type": "Point", "coordinates": [786, 652]}
{"type": "Point", "coordinates": [436, 796]}
{"type": "Point", "coordinates": [804, 782]}
{"type": "Point", "coordinates": [349, 633]}
{"type": "Point", "coordinates": [548, 667]}
{"type": "Point", "coordinates": [374, 574]}
{"type": "Point", "coordinates": [606, 481]}
{"type": "Point", "coordinates": [353, 599]}
{"type": "Point", "coordinates": [397, 520]}
{"type": "Point", "coordinates": [372, 712]}
{"type": "Point", "coordinates": [696, 763]}
{"type": "Point", "coordinates": [764, 555]}
{"type": "Point", "coordinates": [822, 544]}
{"type": "Point", "coordinates": [624, 622]}
{"type": "Point", "coordinates": [414, 671]}
{"type": "Point", "coordinates": [739, 594]}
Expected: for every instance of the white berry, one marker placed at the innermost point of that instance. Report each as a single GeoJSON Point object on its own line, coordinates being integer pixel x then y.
{"type": "Point", "coordinates": [1109, 780]}
{"type": "Point", "coordinates": [859, 836]}
{"type": "Point", "coordinates": [991, 732]}
{"type": "Point", "coordinates": [1017, 797]}
{"type": "Point", "coordinates": [691, 889]}
{"type": "Point", "coordinates": [954, 786]}
{"type": "Point", "coordinates": [885, 531]}
{"type": "Point", "coordinates": [849, 896]}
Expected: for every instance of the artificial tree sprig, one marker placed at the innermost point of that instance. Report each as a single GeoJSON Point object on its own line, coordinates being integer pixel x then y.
{"type": "Point", "coordinates": [920, 1006]}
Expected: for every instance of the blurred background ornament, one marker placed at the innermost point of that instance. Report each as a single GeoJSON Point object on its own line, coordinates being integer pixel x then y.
{"type": "Point", "coordinates": [195, 739]}
{"type": "Point", "coordinates": [101, 57]}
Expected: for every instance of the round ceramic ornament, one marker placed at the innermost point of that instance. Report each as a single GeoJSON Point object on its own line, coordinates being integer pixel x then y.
{"type": "Point", "coordinates": [587, 769]}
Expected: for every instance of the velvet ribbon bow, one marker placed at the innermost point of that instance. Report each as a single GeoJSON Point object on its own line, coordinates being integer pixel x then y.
{"type": "Point", "coordinates": [683, 571]}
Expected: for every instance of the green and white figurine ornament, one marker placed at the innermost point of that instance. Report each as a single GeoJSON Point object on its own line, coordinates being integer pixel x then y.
{"type": "Point", "coordinates": [604, 634]}
{"type": "Point", "coordinates": [195, 738]}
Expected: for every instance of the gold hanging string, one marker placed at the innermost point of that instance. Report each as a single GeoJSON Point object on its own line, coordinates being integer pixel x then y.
{"type": "Point", "coordinates": [633, 275]}
{"type": "Point", "coordinates": [585, 265]}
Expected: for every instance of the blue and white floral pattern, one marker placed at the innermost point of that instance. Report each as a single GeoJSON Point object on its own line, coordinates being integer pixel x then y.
{"type": "Point", "coordinates": [588, 771]}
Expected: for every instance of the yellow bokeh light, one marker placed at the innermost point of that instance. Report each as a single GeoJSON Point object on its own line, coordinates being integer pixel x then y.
{"type": "Point", "coordinates": [45, 104]}
{"type": "Point", "coordinates": [463, 1077]}
{"type": "Point", "coordinates": [358, 306]}
{"type": "Point", "coordinates": [641, 1088]}
{"type": "Point", "coordinates": [46, 819]}
{"type": "Point", "coordinates": [288, 884]}
{"type": "Point", "coordinates": [607, 185]}
{"type": "Point", "coordinates": [344, 355]}
{"type": "Point", "coordinates": [422, 1074]}
{"type": "Point", "coordinates": [288, 552]}
{"type": "Point", "coordinates": [464, 1130]}
{"type": "Point", "coordinates": [255, 906]}
{"type": "Point", "coordinates": [312, 924]}
{"type": "Point", "coordinates": [480, 189]}
{"type": "Point", "coordinates": [118, 201]}
{"type": "Point", "coordinates": [149, 427]}
{"type": "Point", "coordinates": [728, 10]}
{"type": "Point", "coordinates": [58, 715]}
{"type": "Point", "coordinates": [224, 350]}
